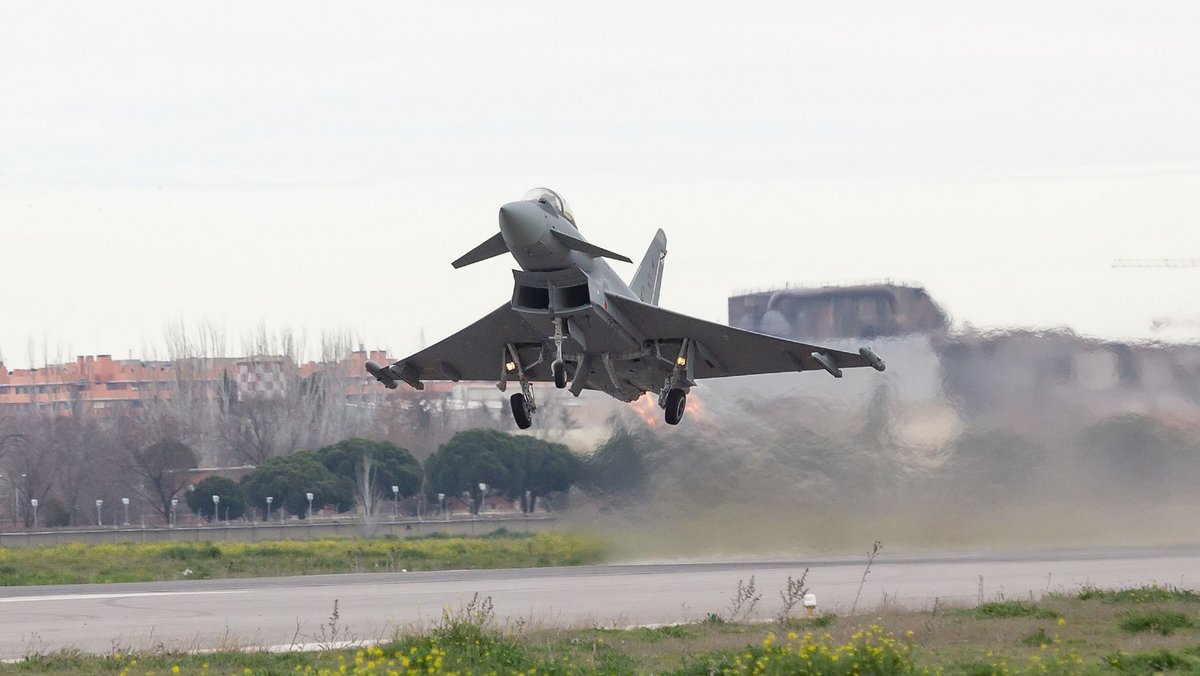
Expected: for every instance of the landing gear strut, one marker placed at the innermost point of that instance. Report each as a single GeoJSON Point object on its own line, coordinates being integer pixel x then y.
{"type": "Point", "coordinates": [523, 404]}
{"type": "Point", "coordinates": [559, 367]}
{"type": "Point", "coordinates": [673, 396]}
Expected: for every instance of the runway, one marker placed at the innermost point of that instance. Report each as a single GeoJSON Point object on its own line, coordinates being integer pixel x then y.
{"type": "Point", "coordinates": [208, 614]}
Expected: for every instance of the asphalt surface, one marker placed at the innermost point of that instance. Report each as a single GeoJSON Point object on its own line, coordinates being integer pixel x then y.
{"type": "Point", "coordinates": [296, 611]}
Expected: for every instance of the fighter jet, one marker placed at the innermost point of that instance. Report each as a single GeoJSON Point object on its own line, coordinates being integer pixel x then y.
{"type": "Point", "coordinates": [574, 322]}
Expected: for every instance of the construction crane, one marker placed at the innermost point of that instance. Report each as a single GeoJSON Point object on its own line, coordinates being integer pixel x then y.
{"type": "Point", "coordinates": [1156, 263]}
{"type": "Point", "coordinates": [1162, 323]}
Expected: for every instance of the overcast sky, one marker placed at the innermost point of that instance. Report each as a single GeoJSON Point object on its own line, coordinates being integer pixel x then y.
{"type": "Point", "coordinates": [318, 166]}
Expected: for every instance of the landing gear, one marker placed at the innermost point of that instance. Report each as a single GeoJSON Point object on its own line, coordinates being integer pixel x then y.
{"type": "Point", "coordinates": [523, 404]}
{"type": "Point", "coordinates": [520, 411]}
{"type": "Point", "coordinates": [675, 403]}
{"type": "Point", "coordinates": [559, 368]}
{"type": "Point", "coordinates": [673, 395]}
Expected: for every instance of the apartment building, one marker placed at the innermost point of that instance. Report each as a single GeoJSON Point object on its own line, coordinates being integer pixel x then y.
{"type": "Point", "coordinates": [96, 384]}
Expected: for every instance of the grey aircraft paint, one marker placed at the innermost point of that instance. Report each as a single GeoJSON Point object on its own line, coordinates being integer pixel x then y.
{"type": "Point", "coordinates": [573, 321]}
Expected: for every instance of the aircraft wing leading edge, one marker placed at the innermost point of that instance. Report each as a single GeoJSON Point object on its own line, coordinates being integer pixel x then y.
{"type": "Point", "coordinates": [727, 351]}
{"type": "Point", "coordinates": [476, 352]}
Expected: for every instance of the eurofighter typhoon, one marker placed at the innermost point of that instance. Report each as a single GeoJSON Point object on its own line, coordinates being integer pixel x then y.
{"type": "Point", "coordinates": [572, 321]}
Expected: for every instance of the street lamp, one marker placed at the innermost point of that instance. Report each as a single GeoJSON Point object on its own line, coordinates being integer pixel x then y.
{"type": "Point", "coordinates": [174, 503]}
{"type": "Point", "coordinates": [216, 508]}
{"type": "Point", "coordinates": [99, 517]}
{"type": "Point", "coordinates": [528, 502]}
{"type": "Point", "coordinates": [125, 501]}
{"type": "Point", "coordinates": [395, 502]}
{"type": "Point", "coordinates": [24, 482]}
{"type": "Point", "coordinates": [310, 497]}
{"type": "Point", "coordinates": [270, 499]}
{"type": "Point", "coordinates": [33, 503]}
{"type": "Point", "coordinates": [482, 494]}
{"type": "Point", "coordinates": [442, 505]}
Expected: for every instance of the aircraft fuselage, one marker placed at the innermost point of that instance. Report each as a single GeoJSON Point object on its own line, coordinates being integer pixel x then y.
{"type": "Point", "coordinates": [559, 283]}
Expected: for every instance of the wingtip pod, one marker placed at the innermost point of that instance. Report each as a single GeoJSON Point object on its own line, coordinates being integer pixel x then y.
{"type": "Point", "coordinates": [381, 374]}
{"type": "Point", "coordinates": [872, 358]}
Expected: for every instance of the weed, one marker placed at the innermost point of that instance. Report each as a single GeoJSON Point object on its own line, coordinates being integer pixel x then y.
{"type": "Point", "coordinates": [1145, 594]}
{"type": "Point", "coordinates": [998, 609]}
{"type": "Point", "coordinates": [1037, 638]}
{"type": "Point", "coordinates": [472, 620]}
{"type": "Point", "coordinates": [870, 651]}
{"type": "Point", "coordinates": [713, 618]}
{"type": "Point", "coordinates": [933, 615]}
{"type": "Point", "coordinates": [1151, 662]}
{"type": "Point", "coordinates": [191, 551]}
{"type": "Point", "coordinates": [331, 636]}
{"type": "Point", "coordinates": [656, 634]}
{"type": "Point", "coordinates": [742, 605]}
{"type": "Point", "coordinates": [824, 620]}
{"type": "Point", "coordinates": [870, 559]}
{"type": "Point", "coordinates": [791, 595]}
{"type": "Point", "coordinates": [1163, 622]}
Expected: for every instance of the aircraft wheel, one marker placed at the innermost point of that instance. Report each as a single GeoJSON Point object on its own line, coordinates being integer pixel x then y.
{"type": "Point", "coordinates": [560, 374]}
{"type": "Point", "coordinates": [676, 402]}
{"type": "Point", "coordinates": [520, 413]}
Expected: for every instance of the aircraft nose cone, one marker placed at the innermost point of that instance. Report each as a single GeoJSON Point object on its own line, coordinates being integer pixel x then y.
{"type": "Point", "coordinates": [522, 224]}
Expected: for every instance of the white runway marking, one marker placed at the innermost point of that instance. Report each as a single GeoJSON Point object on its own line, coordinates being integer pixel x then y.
{"type": "Point", "coordinates": [85, 597]}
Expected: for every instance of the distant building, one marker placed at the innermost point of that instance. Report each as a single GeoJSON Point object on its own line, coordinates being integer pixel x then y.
{"type": "Point", "coordinates": [1004, 377]}
{"type": "Point", "coordinates": [99, 384]}
{"type": "Point", "coordinates": [829, 312]}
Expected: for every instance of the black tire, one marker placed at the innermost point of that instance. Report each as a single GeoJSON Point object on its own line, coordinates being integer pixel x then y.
{"type": "Point", "coordinates": [676, 403]}
{"type": "Point", "coordinates": [520, 414]}
{"type": "Point", "coordinates": [560, 374]}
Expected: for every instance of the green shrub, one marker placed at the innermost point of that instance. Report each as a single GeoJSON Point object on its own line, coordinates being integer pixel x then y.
{"type": "Point", "coordinates": [1037, 638]}
{"type": "Point", "coordinates": [869, 651]}
{"type": "Point", "coordinates": [998, 609]}
{"type": "Point", "coordinates": [656, 634]}
{"type": "Point", "coordinates": [1163, 622]}
{"type": "Point", "coordinates": [190, 551]}
{"type": "Point", "coordinates": [1151, 662]}
{"type": "Point", "coordinates": [1145, 594]}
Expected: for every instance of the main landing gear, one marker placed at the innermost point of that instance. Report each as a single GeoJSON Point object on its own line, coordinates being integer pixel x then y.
{"type": "Point", "coordinates": [523, 404]}
{"type": "Point", "coordinates": [520, 411]}
{"type": "Point", "coordinates": [675, 403]}
{"type": "Point", "coordinates": [559, 367]}
{"type": "Point", "coordinates": [673, 396]}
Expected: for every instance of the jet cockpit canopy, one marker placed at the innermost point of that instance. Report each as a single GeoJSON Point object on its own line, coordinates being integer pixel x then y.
{"type": "Point", "coordinates": [548, 196]}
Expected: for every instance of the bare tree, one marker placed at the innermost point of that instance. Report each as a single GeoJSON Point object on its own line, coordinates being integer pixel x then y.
{"type": "Point", "coordinates": [367, 492]}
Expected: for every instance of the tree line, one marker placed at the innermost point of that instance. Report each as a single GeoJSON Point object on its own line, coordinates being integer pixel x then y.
{"type": "Point", "coordinates": [361, 475]}
{"type": "Point", "coordinates": [354, 474]}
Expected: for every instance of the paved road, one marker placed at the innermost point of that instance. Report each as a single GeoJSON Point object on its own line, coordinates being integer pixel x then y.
{"type": "Point", "coordinates": [284, 611]}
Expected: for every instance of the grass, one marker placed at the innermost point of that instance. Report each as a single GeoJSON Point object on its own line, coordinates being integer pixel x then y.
{"type": "Point", "coordinates": [997, 609]}
{"type": "Point", "coordinates": [1082, 637]}
{"type": "Point", "coordinates": [147, 562]}
{"type": "Point", "coordinates": [1144, 594]}
{"type": "Point", "coordinates": [1154, 661]}
{"type": "Point", "coordinates": [1158, 621]}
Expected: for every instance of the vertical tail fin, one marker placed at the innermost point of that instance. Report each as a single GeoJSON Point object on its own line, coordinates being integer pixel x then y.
{"type": "Point", "coordinates": [647, 281]}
